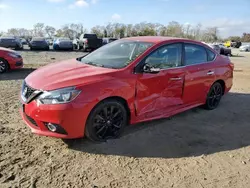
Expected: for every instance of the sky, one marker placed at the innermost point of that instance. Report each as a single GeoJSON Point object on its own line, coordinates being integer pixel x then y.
{"type": "Point", "coordinates": [232, 17]}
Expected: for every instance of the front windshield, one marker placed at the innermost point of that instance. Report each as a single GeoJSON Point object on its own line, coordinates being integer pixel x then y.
{"type": "Point", "coordinates": [117, 54]}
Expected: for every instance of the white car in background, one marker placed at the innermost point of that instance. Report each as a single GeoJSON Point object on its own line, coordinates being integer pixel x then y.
{"type": "Point", "coordinates": [216, 47]}
{"type": "Point", "coordinates": [63, 44]}
{"type": "Point", "coordinates": [245, 48]}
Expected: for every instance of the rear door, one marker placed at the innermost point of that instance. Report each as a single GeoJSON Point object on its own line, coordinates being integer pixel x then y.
{"type": "Point", "coordinates": [158, 93]}
{"type": "Point", "coordinates": [200, 73]}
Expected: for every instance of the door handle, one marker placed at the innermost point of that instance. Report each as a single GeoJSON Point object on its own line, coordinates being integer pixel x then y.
{"type": "Point", "coordinates": [210, 72]}
{"type": "Point", "coordinates": [175, 78]}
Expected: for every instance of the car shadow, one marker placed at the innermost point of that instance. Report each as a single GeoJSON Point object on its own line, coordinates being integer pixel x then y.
{"type": "Point", "coordinates": [18, 74]}
{"type": "Point", "coordinates": [237, 55]}
{"type": "Point", "coordinates": [192, 133]}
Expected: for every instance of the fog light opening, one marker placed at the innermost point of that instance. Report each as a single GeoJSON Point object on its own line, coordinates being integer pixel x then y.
{"type": "Point", "coordinates": [51, 127]}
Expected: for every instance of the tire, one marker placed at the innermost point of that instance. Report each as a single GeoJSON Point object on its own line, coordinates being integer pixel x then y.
{"type": "Point", "coordinates": [247, 50]}
{"type": "Point", "coordinates": [17, 47]}
{"type": "Point", "coordinates": [47, 48]}
{"type": "Point", "coordinates": [214, 96]}
{"type": "Point", "coordinates": [56, 47]}
{"type": "Point", "coordinates": [4, 66]}
{"type": "Point", "coordinates": [102, 123]}
{"type": "Point", "coordinates": [74, 47]}
{"type": "Point", "coordinates": [222, 52]}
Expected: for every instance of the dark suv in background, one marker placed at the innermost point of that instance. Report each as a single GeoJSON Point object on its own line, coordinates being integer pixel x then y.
{"type": "Point", "coordinates": [39, 43]}
{"type": "Point", "coordinates": [11, 42]}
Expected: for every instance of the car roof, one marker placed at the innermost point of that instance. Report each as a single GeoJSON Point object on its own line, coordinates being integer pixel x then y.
{"type": "Point", "coordinates": [7, 37]}
{"type": "Point", "coordinates": [38, 38]}
{"type": "Point", "coordinates": [158, 39]}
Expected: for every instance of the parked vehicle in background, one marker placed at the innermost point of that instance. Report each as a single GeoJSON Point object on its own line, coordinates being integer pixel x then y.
{"type": "Point", "coordinates": [245, 48]}
{"type": "Point", "coordinates": [232, 43]}
{"type": "Point", "coordinates": [216, 47]}
{"type": "Point", "coordinates": [50, 41]}
{"type": "Point", "coordinates": [11, 42]}
{"type": "Point", "coordinates": [39, 43]}
{"type": "Point", "coordinates": [130, 80]}
{"type": "Point", "coordinates": [89, 42]}
{"type": "Point", "coordinates": [225, 51]}
{"type": "Point", "coordinates": [24, 41]}
{"type": "Point", "coordinates": [108, 40]}
{"type": "Point", "coordinates": [227, 44]}
{"type": "Point", "coordinates": [9, 60]}
{"type": "Point", "coordinates": [236, 44]}
{"type": "Point", "coordinates": [63, 44]}
{"type": "Point", "coordinates": [76, 44]}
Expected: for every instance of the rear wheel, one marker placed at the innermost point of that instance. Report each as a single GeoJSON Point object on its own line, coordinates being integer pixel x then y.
{"type": "Point", "coordinates": [75, 47]}
{"type": "Point", "coordinates": [214, 96]}
{"type": "Point", "coordinates": [247, 50]}
{"type": "Point", "coordinates": [56, 47]}
{"type": "Point", "coordinates": [4, 65]}
{"type": "Point", "coordinates": [106, 121]}
{"type": "Point", "coordinates": [17, 47]}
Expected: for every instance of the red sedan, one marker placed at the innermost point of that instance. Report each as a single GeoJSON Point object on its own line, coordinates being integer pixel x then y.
{"type": "Point", "coordinates": [125, 82]}
{"type": "Point", "coordinates": [9, 59]}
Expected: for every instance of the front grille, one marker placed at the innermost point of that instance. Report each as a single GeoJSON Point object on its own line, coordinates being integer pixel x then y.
{"type": "Point", "coordinates": [27, 91]}
{"type": "Point", "coordinates": [31, 120]}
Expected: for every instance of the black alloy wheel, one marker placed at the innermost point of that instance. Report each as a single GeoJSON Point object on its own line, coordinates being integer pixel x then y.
{"type": "Point", "coordinates": [214, 96]}
{"type": "Point", "coordinates": [106, 121]}
{"type": "Point", "coordinates": [4, 66]}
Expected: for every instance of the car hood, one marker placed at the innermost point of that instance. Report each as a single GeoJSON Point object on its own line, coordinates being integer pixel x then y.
{"type": "Point", "coordinates": [7, 50]}
{"type": "Point", "coordinates": [65, 74]}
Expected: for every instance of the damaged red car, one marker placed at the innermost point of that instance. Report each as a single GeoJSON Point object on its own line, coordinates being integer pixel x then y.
{"type": "Point", "coordinates": [125, 82]}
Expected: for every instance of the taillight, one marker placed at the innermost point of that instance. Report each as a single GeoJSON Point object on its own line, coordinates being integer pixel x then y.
{"type": "Point", "coordinates": [86, 41]}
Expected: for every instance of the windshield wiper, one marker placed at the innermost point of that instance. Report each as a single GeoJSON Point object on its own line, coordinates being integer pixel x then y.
{"type": "Point", "coordinates": [95, 64]}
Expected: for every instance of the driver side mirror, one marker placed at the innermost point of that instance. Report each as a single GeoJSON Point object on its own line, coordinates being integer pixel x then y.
{"type": "Point", "coordinates": [148, 69]}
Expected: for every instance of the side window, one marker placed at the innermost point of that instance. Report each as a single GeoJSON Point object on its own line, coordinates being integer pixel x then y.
{"type": "Point", "coordinates": [195, 54]}
{"type": "Point", "coordinates": [210, 55]}
{"type": "Point", "coordinates": [166, 57]}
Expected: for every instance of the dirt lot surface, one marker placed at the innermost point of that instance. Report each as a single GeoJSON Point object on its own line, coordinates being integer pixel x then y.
{"type": "Point", "coordinates": [198, 148]}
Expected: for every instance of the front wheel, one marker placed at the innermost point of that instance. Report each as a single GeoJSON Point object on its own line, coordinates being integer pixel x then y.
{"type": "Point", "coordinates": [4, 66]}
{"type": "Point", "coordinates": [214, 96]}
{"type": "Point", "coordinates": [106, 121]}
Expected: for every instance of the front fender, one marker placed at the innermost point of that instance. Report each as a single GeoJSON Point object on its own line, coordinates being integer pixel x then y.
{"type": "Point", "coordinates": [94, 93]}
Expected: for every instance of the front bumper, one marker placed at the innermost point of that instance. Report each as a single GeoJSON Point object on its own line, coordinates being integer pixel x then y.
{"type": "Point", "coordinates": [15, 63]}
{"type": "Point", "coordinates": [71, 117]}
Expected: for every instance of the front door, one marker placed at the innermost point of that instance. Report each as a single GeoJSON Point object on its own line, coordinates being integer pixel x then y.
{"type": "Point", "coordinates": [157, 93]}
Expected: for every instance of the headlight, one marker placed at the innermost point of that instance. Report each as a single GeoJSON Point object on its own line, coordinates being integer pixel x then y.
{"type": "Point", "coordinates": [59, 96]}
{"type": "Point", "coordinates": [15, 55]}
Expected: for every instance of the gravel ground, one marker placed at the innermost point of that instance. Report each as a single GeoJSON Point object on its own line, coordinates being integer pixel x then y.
{"type": "Point", "coordinates": [198, 148]}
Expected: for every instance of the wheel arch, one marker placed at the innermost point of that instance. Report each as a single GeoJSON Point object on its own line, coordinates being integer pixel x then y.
{"type": "Point", "coordinates": [119, 99]}
{"type": "Point", "coordinates": [222, 83]}
{"type": "Point", "coordinates": [8, 68]}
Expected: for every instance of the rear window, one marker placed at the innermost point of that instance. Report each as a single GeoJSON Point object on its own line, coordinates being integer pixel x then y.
{"type": "Point", "coordinates": [210, 55]}
{"type": "Point", "coordinates": [7, 40]}
{"type": "Point", "coordinates": [64, 39]}
{"type": "Point", "coordinates": [94, 36]}
{"type": "Point", "coordinates": [38, 39]}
